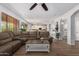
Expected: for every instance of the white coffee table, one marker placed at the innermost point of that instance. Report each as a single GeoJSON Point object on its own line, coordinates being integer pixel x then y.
{"type": "Point", "coordinates": [37, 46]}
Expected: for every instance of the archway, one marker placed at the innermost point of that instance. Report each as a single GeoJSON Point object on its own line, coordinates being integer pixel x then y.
{"type": "Point", "coordinates": [72, 28]}
{"type": "Point", "coordinates": [76, 18]}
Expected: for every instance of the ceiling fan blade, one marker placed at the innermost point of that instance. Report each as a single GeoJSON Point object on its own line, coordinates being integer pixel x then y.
{"type": "Point", "coordinates": [33, 6]}
{"type": "Point", "coordinates": [44, 6]}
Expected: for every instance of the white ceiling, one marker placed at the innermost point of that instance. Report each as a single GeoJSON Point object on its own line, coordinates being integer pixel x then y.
{"type": "Point", "coordinates": [38, 14]}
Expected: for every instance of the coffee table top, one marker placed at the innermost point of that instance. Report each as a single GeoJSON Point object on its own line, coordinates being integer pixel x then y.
{"type": "Point", "coordinates": [37, 42]}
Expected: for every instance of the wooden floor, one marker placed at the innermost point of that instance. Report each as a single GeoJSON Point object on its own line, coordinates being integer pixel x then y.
{"type": "Point", "coordinates": [58, 48]}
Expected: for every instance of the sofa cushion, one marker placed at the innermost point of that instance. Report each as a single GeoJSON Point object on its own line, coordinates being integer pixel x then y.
{"type": "Point", "coordinates": [10, 47]}
{"type": "Point", "coordinates": [25, 33]}
{"type": "Point", "coordinates": [6, 49]}
{"type": "Point", "coordinates": [16, 33]}
{"type": "Point", "coordinates": [4, 35]}
{"type": "Point", "coordinates": [44, 34]}
{"type": "Point", "coordinates": [13, 43]}
{"type": "Point", "coordinates": [5, 41]}
{"type": "Point", "coordinates": [23, 39]}
{"type": "Point", "coordinates": [11, 34]}
{"type": "Point", "coordinates": [32, 32]}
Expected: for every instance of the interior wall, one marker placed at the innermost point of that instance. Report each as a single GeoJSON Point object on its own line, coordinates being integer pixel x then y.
{"type": "Point", "coordinates": [9, 12]}
{"type": "Point", "coordinates": [77, 25]}
{"type": "Point", "coordinates": [65, 29]}
{"type": "Point", "coordinates": [52, 30]}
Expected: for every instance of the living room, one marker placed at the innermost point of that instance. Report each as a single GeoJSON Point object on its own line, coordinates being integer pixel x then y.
{"type": "Point", "coordinates": [39, 29]}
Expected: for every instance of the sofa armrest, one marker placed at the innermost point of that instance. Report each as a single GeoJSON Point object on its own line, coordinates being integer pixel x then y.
{"type": "Point", "coordinates": [50, 39]}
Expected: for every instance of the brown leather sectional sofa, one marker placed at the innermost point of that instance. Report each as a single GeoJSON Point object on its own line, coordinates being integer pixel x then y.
{"type": "Point", "coordinates": [11, 41]}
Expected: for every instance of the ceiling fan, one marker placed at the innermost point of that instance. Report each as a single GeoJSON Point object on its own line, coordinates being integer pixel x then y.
{"type": "Point", "coordinates": [42, 4]}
